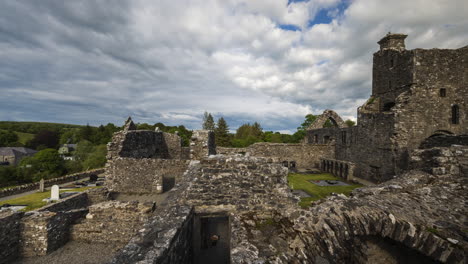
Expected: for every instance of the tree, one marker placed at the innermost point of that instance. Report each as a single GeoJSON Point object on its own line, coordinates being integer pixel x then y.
{"type": "Point", "coordinates": [44, 139]}
{"type": "Point", "coordinates": [350, 123]}
{"type": "Point", "coordinates": [96, 159]}
{"type": "Point", "coordinates": [45, 164]}
{"type": "Point", "coordinates": [8, 138]}
{"type": "Point", "coordinates": [309, 119]}
{"type": "Point", "coordinates": [222, 133]}
{"type": "Point", "coordinates": [208, 122]}
{"type": "Point", "coordinates": [86, 132]}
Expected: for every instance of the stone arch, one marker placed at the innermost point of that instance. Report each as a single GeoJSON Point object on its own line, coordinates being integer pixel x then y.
{"type": "Point", "coordinates": [351, 229]}
{"type": "Point", "coordinates": [331, 115]}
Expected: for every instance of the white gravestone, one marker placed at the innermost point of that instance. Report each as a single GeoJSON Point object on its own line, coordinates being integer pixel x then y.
{"type": "Point", "coordinates": [55, 193]}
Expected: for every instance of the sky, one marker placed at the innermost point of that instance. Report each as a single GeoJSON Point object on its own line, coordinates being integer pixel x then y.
{"type": "Point", "coordinates": [271, 62]}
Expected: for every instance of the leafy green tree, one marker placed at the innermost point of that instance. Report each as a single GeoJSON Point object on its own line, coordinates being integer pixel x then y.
{"type": "Point", "coordinates": [44, 139]}
{"type": "Point", "coordinates": [350, 123]}
{"type": "Point", "coordinates": [96, 159]}
{"type": "Point", "coordinates": [208, 122]}
{"type": "Point", "coordinates": [8, 176]}
{"type": "Point", "coordinates": [86, 133]}
{"type": "Point", "coordinates": [8, 138]}
{"type": "Point", "coordinates": [222, 133]}
{"type": "Point", "coordinates": [83, 149]}
{"type": "Point", "coordinates": [309, 119]}
{"type": "Point", "coordinates": [45, 164]}
{"type": "Point", "coordinates": [328, 123]}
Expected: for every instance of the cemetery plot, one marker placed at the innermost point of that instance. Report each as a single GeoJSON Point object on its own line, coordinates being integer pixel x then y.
{"type": "Point", "coordinates": [317, 186]}
{"type": "Point", "coordinates": [35, 200]}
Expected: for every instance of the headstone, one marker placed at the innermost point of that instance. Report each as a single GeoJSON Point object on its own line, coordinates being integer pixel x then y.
{"type": "Point", "coordinates": [41, 185]}
{"type": "Point", "coordinates": [55, 192]}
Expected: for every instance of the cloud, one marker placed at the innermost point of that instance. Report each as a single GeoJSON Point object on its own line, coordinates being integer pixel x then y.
{"type": "Point", "coordinates": [169, 61]}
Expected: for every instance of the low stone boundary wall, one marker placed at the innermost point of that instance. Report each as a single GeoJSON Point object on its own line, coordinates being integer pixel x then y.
{"type": "Point", "coordinates": [76, 201]}
{"type": "Point", "coordinates": [48, 183]}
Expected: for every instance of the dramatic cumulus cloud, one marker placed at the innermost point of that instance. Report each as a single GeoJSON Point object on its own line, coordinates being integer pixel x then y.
{"type": "Point", "coordinates": [169, 61]}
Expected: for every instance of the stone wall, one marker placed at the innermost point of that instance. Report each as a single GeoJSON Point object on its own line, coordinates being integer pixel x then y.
{"type": "Point", "coordinates": [442, 160]}
{"type": "Point", "coordinates": [76, 201]}
{"type": "Point", "coordinates": [145, 144]}
{"type": "Point", "coordinates": [167, 237]}
{"type": "Point", "coordinates": [422, 213]}
{"type": "Point", "coordinates": [49, 182]}
{"type": "Point", "coordinates": [43, 232]}
{"type": "Point", "coordinates": [112, 222]}
{"type": "Point", "coordinates": [239, 184]}
{"type": "Point", "coordinates": [304, 155]}
{"type": "Point", "coordinates": [9, 236]}
{"type": "Point", "coordinates": [202, 144]}
{"type": "Point", "coordinates": [130, 175]}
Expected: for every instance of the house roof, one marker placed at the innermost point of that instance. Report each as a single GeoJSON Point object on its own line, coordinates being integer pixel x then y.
{"type": "Point", "coordinates": [13, 151]}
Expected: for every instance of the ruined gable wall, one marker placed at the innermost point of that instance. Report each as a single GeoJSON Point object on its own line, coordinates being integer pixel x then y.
{"type": "Point", "coordinates": [131, 175]}
{"type": "Point", "coordinates": [145, 144]}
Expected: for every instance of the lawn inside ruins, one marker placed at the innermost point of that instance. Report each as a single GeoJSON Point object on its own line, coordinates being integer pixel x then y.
{"type": "Point", "coordinates": [302, 182]}
{"type": "Point", "coordinates": [35, 200]}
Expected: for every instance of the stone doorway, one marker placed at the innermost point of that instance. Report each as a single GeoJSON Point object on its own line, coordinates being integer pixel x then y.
{"type": "Point", "coordinates": [211, 239]}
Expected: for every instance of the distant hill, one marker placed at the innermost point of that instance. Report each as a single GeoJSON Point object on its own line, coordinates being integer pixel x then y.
{"type": "Point", "coordinates": [33, 127]}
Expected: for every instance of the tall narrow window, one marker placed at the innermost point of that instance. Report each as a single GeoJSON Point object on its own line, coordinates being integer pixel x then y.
{"type": "Point", "coordinates": [343, 137]}
{"type": "Point", "coordinates": [455, 114]}
{"type": "Point", "coordinates": [316, 139]}
{"type": "Point", "coordinates": [442, 92]}
{"type": "Point", "coordinates": [391, 62]}
{"type": "Point", "coordinates": [389, 84]}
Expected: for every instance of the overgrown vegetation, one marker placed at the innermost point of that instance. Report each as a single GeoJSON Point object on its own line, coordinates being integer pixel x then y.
{"type": "Point", "coordinates": [302, 182]}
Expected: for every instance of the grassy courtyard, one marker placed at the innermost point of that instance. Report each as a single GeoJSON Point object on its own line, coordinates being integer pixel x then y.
{"type": "Point", "coordinates": [298, 181]}
{"type": "Point", "coordinates": [34, 200]}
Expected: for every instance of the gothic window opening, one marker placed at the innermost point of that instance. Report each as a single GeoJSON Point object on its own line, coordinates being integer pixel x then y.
{"type": "Point", "coordinates": [455, 114]}
{"type": "Point", "coordinates": [343, 137]}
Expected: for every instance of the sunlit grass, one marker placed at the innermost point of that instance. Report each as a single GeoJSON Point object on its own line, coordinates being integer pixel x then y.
{"type": "Point", "coordinates": [34, 200]}
{"type": "Point", "coordinates": [298, 181]}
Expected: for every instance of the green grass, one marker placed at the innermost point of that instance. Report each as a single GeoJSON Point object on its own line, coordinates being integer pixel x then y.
{"type": "Point", "coordinates": [34, 200]}
{"type": "Point", "coordinates": [298, 181]}
{"type": "Point", "coordinates": [23, 138]}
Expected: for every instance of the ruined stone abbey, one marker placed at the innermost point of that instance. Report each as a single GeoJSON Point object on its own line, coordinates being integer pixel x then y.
{"type": "Point", "coordinates": [409, 147]}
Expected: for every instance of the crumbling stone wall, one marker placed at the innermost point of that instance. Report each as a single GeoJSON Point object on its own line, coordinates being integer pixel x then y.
{"type": "Point", "coordinates": [9, 236]}
{"type": "Point", "coordinates": [421, 212]}
{"type": "Point", "coordinates": [442, 160]}
{"type": "Point", "coordinates": [239, 184]}
{"type": "Point", "coordinates": [130, 175]}
{"type": "Point", "coordinates": [44, 232]}
{"type": "Point", "coordinates": [145, 144]}
{"type": "Point", "coordinates": [202, 144]}
{"type": "Point", "coordinates": [112, 222]}
{"type": "Point", "coordinates": [304, 155]}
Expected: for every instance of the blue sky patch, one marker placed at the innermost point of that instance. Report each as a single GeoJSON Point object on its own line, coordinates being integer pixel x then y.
{"type": "Point", "coordinates": [289, 27]}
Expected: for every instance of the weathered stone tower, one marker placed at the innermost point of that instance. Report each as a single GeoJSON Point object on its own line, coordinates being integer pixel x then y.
{"type": "Point", "coordinates": [416, 94]}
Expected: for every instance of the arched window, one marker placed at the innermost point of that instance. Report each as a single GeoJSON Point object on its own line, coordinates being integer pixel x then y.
{"type": "Point", "coordinates": [455, 114]}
